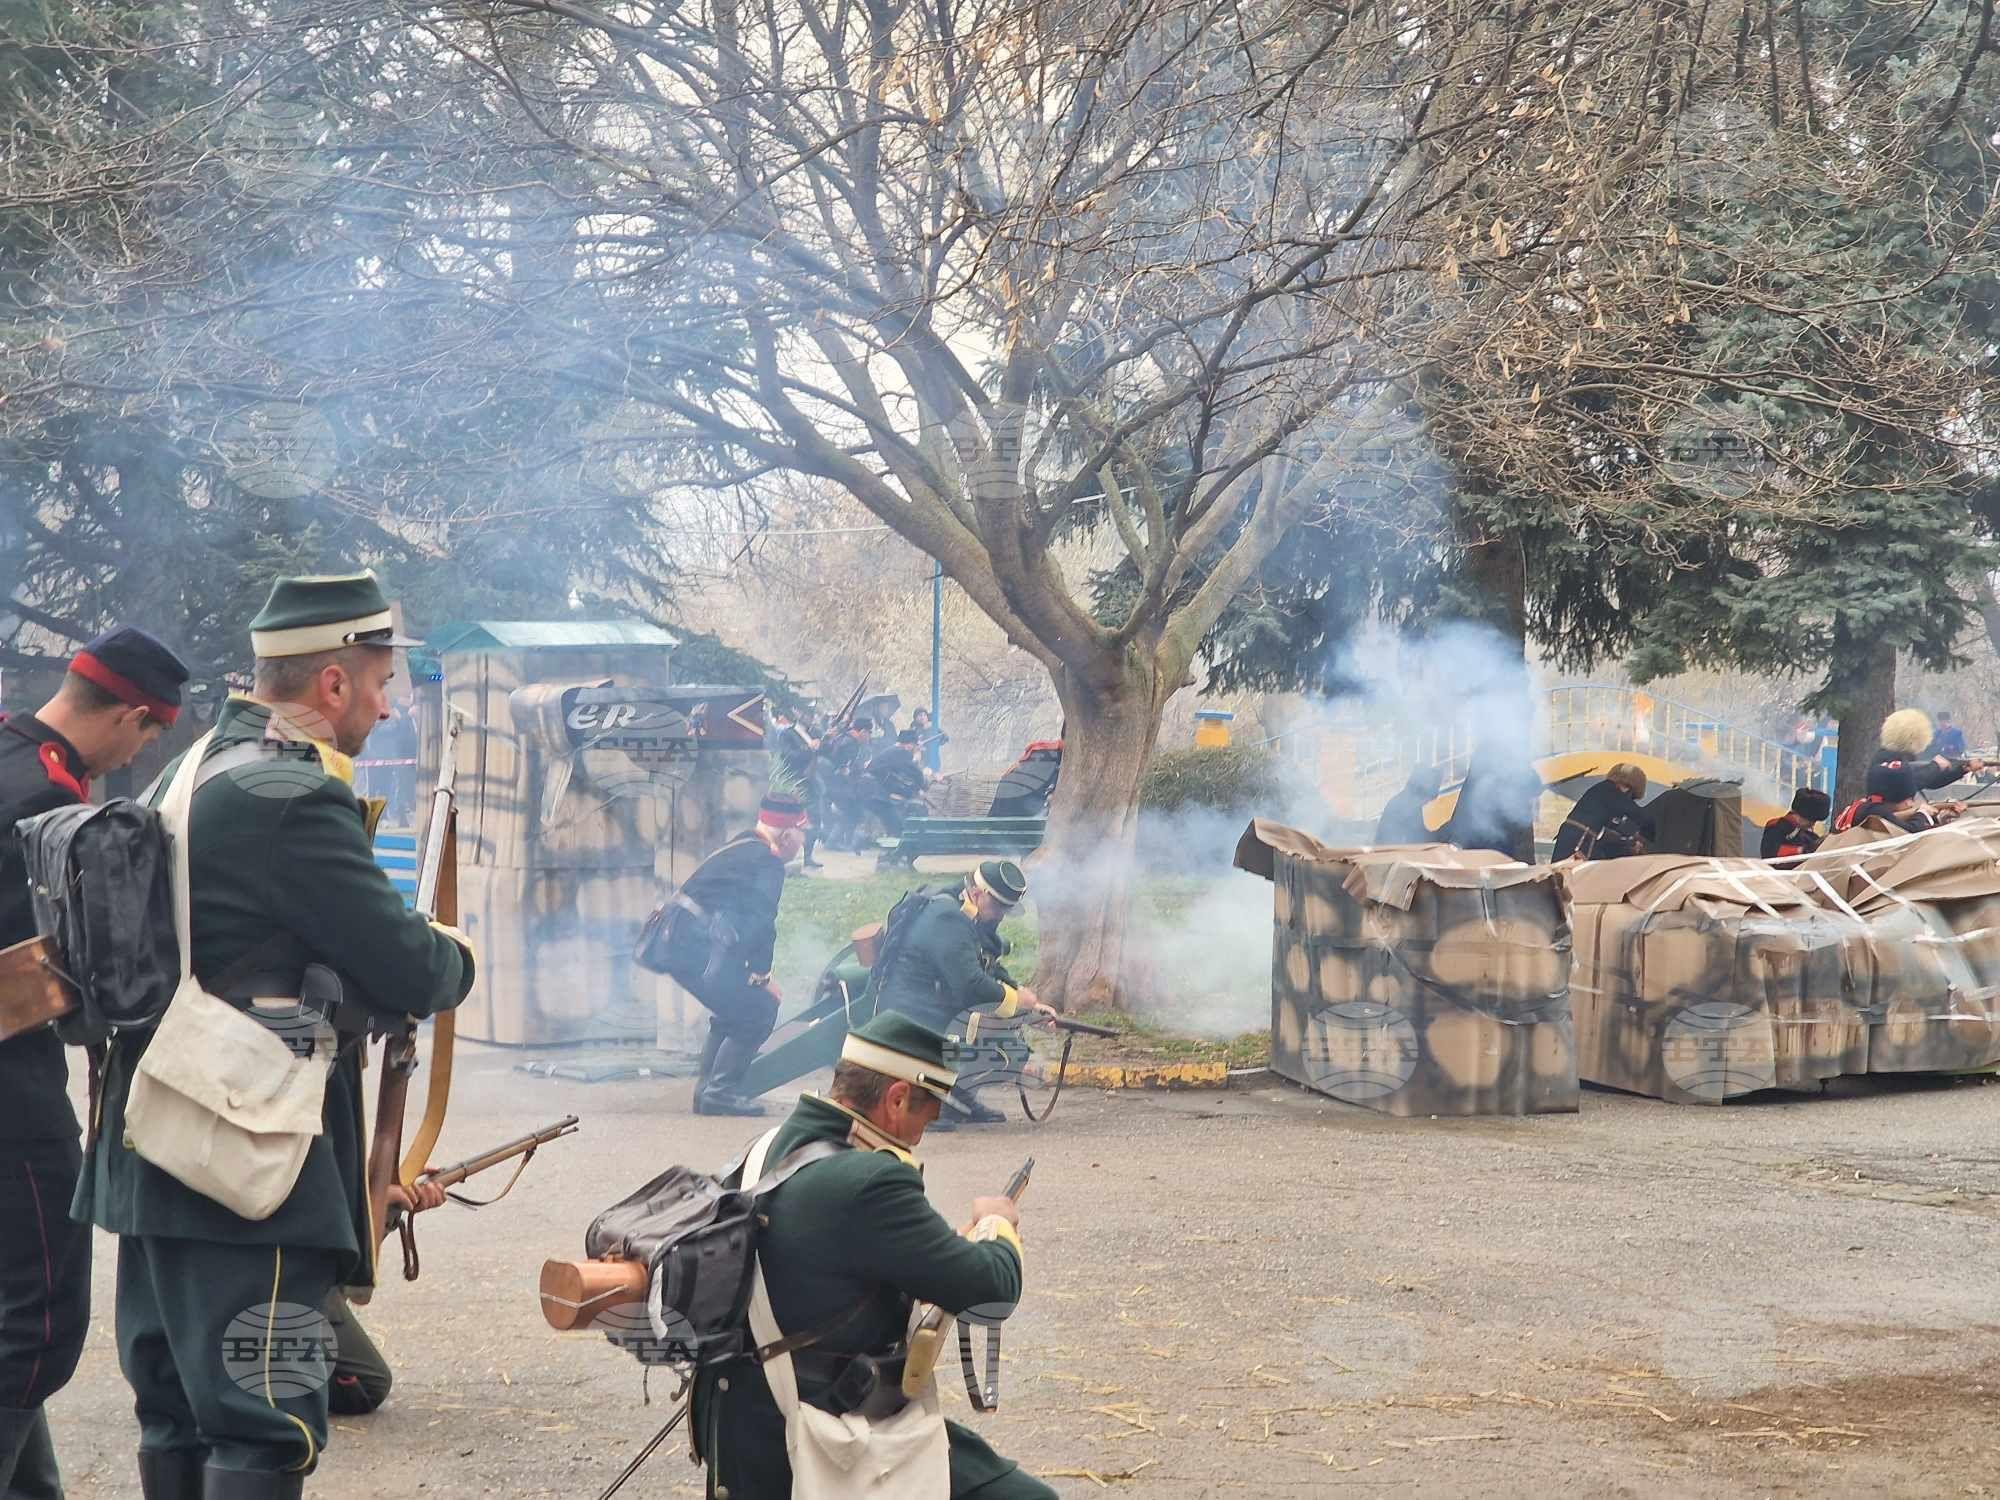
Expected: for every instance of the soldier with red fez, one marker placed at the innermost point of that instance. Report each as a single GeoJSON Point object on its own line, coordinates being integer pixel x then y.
{"type": "Point", "coordinates": [722, 928]}
{"type": "Point", "coordinates": [120, 693]}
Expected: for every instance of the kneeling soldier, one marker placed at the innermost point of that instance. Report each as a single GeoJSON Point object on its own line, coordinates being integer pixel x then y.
{"type": "Point", "coordinates": [1797, 831]}
{"type": "Point", "coordinates": [950, 962]}
{"type": "Point", "coordinates": [220, 1331]}
{"type": "Point", "coordinates": [851, 1243]}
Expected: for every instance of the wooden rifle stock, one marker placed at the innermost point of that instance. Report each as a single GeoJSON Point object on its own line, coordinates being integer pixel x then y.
{"type": "Point", "coordinates": [931, 1321]}
{"type": "Point", "coordinates": [437, 898]}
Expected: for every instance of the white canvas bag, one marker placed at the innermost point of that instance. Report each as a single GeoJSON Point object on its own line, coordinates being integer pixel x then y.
{"type": "Point", "coordinates": [904, 1457]}
{"type": "Point", "coordinates": [219, 1103]}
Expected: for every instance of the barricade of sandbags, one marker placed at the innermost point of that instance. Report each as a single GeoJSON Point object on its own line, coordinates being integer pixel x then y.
{"type": "Point", "coordinates": [1417, 980]}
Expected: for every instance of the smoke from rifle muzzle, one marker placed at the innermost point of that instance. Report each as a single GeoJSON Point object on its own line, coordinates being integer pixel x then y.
{"type": "Point", "coordinates": [1198, 936]}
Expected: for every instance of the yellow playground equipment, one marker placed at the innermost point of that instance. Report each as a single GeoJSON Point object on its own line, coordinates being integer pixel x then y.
{"type": "Point", "coordinates": [1582, 731]}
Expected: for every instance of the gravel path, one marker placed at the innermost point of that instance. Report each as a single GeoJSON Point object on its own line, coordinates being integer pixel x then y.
{"type": "Point", "coordinates": [1263, 1292]}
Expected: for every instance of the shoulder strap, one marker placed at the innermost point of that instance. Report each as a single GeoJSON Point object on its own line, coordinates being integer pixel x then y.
{"type": "Point", "coordinates": [774, 1347]}
{"type": "Point", "coordinates": [804, 1156]}
{"type": "Point", "coordinates": [174, 813]}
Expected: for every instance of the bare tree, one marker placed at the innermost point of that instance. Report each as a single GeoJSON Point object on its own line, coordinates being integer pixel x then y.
{"type": "Point", "coordinates": [1003, 271]}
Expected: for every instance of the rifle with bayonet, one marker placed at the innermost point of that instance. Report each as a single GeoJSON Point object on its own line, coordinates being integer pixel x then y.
{"type": "Point", "coordinates": [927, 1332]}
{"type": "Point", "coordinates": [845, 717]}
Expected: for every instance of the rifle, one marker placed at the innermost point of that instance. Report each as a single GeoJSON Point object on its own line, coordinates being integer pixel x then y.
{"type": "Point", "coordinates": [437, 898]}
{"type": "Point", "coordinates": [927, 1337]}
{"type": "Point", "coordinates": [524, 1147]}
{"type": "Point", "coordinates": [846, 715]}
{"type": "Point", "coordinates": [1071, 1030]}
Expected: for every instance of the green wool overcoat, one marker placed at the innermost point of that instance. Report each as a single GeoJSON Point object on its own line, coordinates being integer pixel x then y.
{"type": "Point", "coordinates": [278, 848]}
{"type": "Point", "coordinates": [854, 1223]}
{"type": "Point", "coordinates": [949, 963]}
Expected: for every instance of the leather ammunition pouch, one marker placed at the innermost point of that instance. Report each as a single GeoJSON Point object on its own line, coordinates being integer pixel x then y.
{"type": "Point", "coordinates": [691, 926]}
{"type": "Point", "coordinates": [681, 926]}
{"type": "Point", "coordinates": [294, 1009]}
{"type": "Point", "coordinates": [868, 1385]}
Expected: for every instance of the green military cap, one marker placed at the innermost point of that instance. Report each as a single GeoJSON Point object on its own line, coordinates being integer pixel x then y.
{"type": "Point", "coordinates": [896, 1046]}
{"type": "Point", "coordinates": [307, 615]}
{"type": "Point", "coordinates": [1003, 879]}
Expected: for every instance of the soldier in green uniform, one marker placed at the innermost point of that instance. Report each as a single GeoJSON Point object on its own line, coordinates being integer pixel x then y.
{"type": "Point", "coordinates": [850, 1242]}
{"type": "Point", "coordinates": [218, 1317]}
{"type": "Point", "coordinates": [950, 962]}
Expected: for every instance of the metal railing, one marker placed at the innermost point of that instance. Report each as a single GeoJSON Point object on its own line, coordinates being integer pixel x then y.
{"type": "Point", "coordinates": [1599, 717]}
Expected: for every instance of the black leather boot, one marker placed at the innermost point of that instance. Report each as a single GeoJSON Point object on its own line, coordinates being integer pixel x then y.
{"type": "Point", "coordinates": [963, 1108]}
{"type": "Point", "coordinates": [707, 1069]}
{"type": "Point", "coordinates": [171, 1473]}
{"type": "Point", "coordinates": [250, 1484]}
{"type": "Point", "coordinates": [721, 1093]}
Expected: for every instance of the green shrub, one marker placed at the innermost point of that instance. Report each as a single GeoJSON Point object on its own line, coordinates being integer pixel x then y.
{"type": "Point", "coordinates": [1231, 781]}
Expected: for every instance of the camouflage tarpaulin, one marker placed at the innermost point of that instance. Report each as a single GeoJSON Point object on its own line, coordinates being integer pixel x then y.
{"type": "Point", "coordinates": [1417, 980]}
{"type": "Point", "coordinates": [1698, 980]}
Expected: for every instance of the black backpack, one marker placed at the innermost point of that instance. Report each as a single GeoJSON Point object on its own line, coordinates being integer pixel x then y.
{"type": "Point", "coordinates": [102, 884]}
{"type": "Point", "coordinates": [896, 929]}
{"type": "Point", "coordinates": [697, 1235]}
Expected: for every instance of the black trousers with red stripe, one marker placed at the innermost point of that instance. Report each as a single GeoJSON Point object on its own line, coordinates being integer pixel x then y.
{"type": "Point", "coordinates": [44, 1270]}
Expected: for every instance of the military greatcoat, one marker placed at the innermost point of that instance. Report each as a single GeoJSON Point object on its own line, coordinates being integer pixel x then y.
{"type": "Point", "coordinates": [855, 1226]}
{"type": "Point", "coordinates": [282, 874]}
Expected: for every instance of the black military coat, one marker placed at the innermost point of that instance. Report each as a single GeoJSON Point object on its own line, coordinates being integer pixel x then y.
{"type": "Point", "coordinates": [1596, 810]}
{"type": "Point", "coordinates": [742, 883]}
{"type": "Point", "coordinates": [39, 771]}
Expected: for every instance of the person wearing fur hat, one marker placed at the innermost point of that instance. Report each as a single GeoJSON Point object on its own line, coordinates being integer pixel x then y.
{"type": "Point", "coordinates": [722, 928]}
{"type": "Point", "coordinates": [1906, 741]}
{"type": "Point", "coordinates": [1797, 831]}
{"type": "Point", "coordinates": [1892, 800]}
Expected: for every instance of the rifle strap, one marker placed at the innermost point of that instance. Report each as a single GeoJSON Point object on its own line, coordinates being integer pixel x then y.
{"type": "Point", "coordinates": [1062, 1072]}
{"type": "Point", "coordinates": [986, 1398]}
{"type": "Point", "coordinates": [519, 1167]}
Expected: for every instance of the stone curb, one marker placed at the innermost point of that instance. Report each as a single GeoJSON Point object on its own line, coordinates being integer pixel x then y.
{"type": "Point", "coordinates": [1194, 1075]}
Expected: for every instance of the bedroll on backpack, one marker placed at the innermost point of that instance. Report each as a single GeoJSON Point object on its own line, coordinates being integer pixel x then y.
{"type": "Point", "coordinates": [697, 1234]}
{"type": "Point", "coordinates": [101, 878]}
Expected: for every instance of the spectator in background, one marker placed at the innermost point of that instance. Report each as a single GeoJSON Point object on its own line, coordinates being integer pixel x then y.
{"type": "Point", "coordinates": [390, 765]}
{"type": "Point", "coordinates": [1949, 741]}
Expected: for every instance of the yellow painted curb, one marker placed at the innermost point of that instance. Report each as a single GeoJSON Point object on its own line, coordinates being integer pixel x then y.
{"type": "Point", "coordinates": [1202, 1075]}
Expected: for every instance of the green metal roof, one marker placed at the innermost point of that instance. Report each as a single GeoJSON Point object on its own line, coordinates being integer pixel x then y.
{"type": "Point", "coordinates": [546, 635]}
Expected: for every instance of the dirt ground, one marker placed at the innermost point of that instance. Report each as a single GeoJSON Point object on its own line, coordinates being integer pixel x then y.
{"type": "Point", "coordinates": [1264, 1292]}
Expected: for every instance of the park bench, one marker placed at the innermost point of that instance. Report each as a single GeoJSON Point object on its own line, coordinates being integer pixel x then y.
{"type": "Point", "coordinates": [1010, 836]}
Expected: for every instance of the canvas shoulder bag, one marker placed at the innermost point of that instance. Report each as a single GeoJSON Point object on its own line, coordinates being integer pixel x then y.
{"type": "Point", "coordinates": [219, 1102]}
{"type": "Point", "coordinates": [903, 1457]}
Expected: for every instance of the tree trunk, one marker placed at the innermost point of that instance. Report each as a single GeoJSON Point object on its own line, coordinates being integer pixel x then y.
{"type": "Point", "coordinates": [1867, 671]}
{"type": "Point", "coordinates": [1493, 574]}
{"type": "Point", "coordinates": [1082, 879]}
